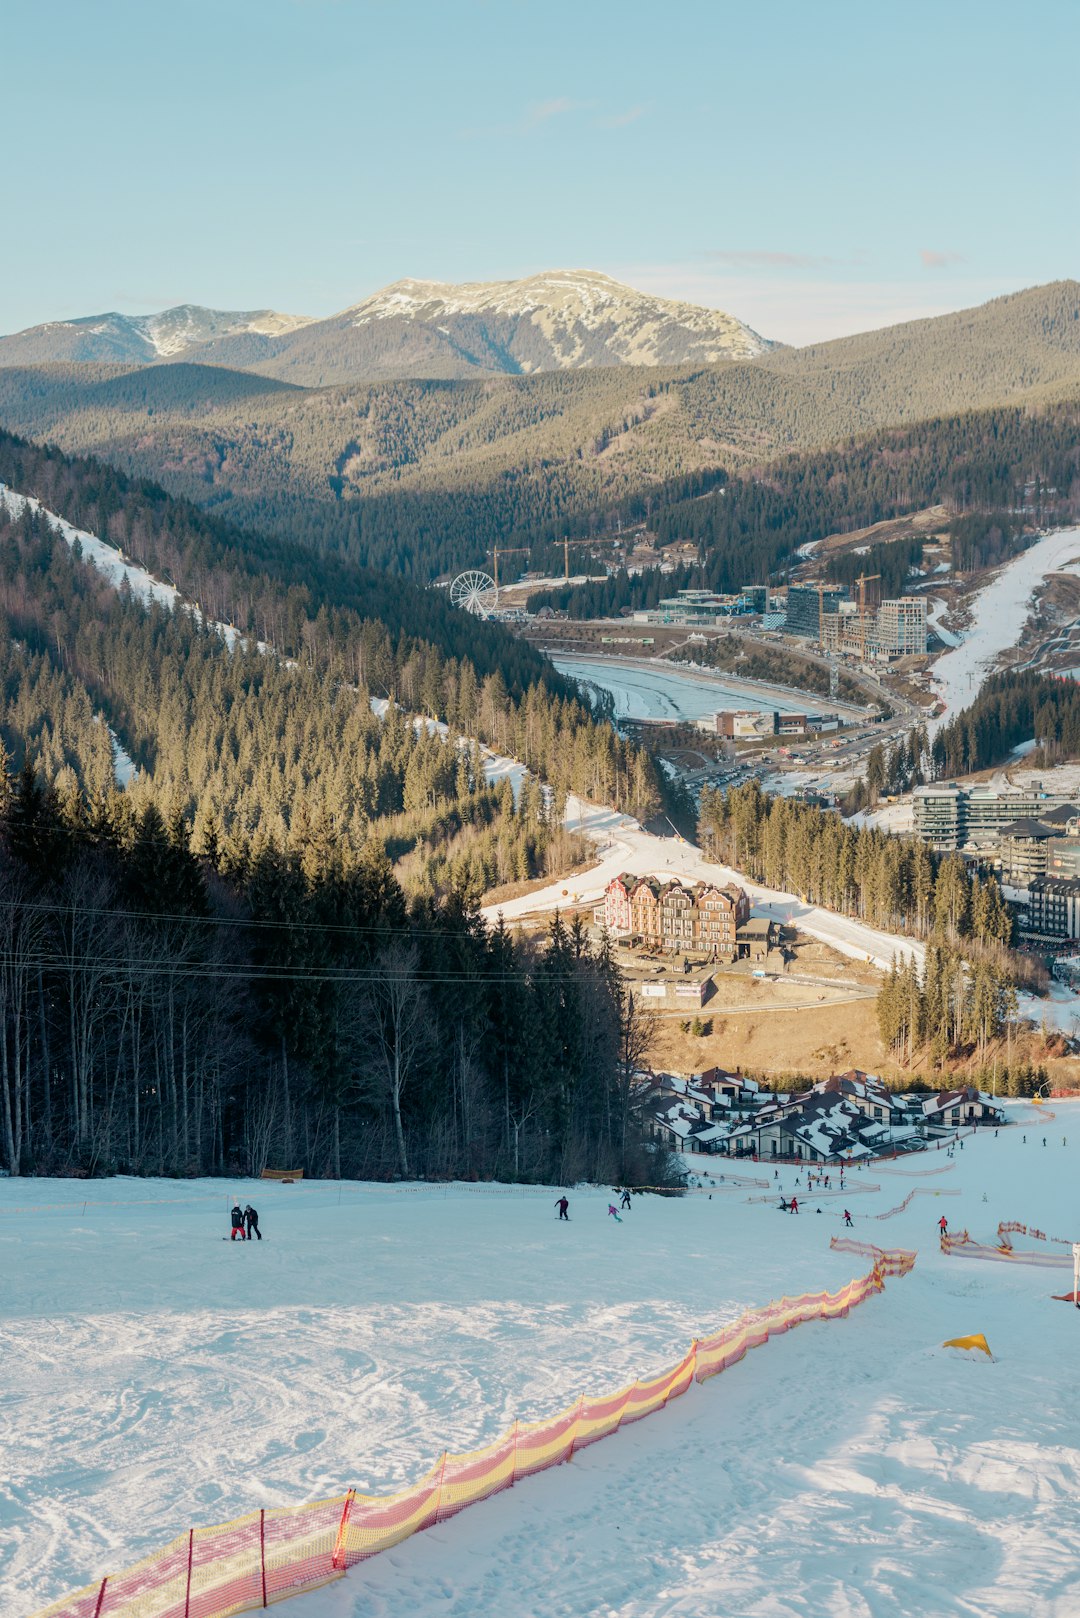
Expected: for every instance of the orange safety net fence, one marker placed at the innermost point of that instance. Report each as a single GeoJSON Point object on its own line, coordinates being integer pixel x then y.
{"type": "Point", "coordinates": [269, 1555]}
{"type": "Point", "coordinates": [958, 1244]}
{"type": "Point", "coordinates": [919, 1191]}
{"type": "Point", "coordinates": [893, 1260]}
{"type": "Point", "coordinates": [916, 1174]}
{"type": "Point", "coordinates": [1011, 1226]}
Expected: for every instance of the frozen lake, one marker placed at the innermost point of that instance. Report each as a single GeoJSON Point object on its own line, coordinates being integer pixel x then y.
{"type": "Point", "coordinates": [648, 691]}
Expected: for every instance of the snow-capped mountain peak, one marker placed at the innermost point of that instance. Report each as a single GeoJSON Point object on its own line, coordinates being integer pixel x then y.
{"type": "Point", "coordinates": [564, 318]}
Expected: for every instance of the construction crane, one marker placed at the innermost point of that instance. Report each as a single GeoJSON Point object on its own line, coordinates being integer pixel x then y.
{"type": "Point", "coordinates": [862, 581]}
{"type": "Point", "coordinates": [566, 544]}
{"type": "Point", "coordinates": [506, 550]}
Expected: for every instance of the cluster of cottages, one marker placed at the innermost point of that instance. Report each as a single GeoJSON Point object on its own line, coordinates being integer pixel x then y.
{"type": "Point", "coordinates": [849, 1117]}
{"type": "Point", "coordinates": [679, 916]}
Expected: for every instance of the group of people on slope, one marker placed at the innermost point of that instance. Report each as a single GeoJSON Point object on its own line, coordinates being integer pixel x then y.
{"type": "Point", "coordinates": [563, 1205]}
{"type": "Point", "coordinates": [245, 1223]}
{"type": "Point", "coordinates": [793, 1207]}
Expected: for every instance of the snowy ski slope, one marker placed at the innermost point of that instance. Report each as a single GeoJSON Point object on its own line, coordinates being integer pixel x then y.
{"type": "Point", "coordinates": [153, 1375]}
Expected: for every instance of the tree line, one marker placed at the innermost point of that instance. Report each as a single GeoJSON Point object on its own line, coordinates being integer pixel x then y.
{"type": "Point", "coordinates": [163, 1014]}
{"type": "Point", "coordinates": [954, 1004]}
{"type": "Point", "coordinates": [1011, 708]}
{"type": "Point", "coordinates": [983, 466]}
{"type": "Point", "coordinates": [251, 747]}
{"type": "Point", "coordinates": [895, 883]}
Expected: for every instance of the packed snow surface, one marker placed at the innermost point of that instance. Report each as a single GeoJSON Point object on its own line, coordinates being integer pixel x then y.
{"type": "Point", "coordinates": [154, 1376]}
{"type": "Point", "coordinates": [999, 612]}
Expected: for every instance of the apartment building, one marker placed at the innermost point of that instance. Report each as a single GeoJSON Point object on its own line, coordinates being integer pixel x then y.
{"type": "Point", "coordinates": [1054, 906]}
{"type": "Point", "coordinates": [948, 816]}
{"type": "Point", "coordinates": [877, 634]}
{"type": "Point", "coordinates": [809, 605]}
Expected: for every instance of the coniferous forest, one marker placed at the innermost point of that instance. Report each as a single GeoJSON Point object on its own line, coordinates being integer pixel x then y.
{"type": "Point", "coordinates": [162, 1014]}
{"type": "Point", "coordinates": [266, 949]}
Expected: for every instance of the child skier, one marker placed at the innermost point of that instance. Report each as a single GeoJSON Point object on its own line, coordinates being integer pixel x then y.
{"type": "Point", "coordinates": [943, 1225]}
{"type": "Point", "coordinates": [251, 1220]}
{"type": "Point", "coordinates": [794, 1205]}
{"type": "Point", "coordinates": [614, 1212]}
{"type": "Point", "coordinates": [237, 1218]}
{"type": "Point", "coordinates": [847, 1219]}
{"type": "Point", "coordinates": [625, 1199]}
{"type": "Point", "coordinates": [562, 1205]}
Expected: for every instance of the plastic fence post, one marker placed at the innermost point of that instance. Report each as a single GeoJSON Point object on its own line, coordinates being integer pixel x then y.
{"type": "Point", "coordinates": [101, 1597]}
{"type": "Point", "coordinates": [262, 1551]}
{"type": "Point", "coordinates": [339, 1543]}
{"type": "Point", "coordinates": [435, 1518]}
{"type": "Point", "coordinates": [577, 1421]}
{"type": "Point", "coordinates": [190, 1558]}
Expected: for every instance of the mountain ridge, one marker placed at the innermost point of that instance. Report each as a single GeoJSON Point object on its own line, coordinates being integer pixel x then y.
{"type": "Point", "coordinates": [555, 320]}
{"type": "Point", "coordinates": [113, 337]}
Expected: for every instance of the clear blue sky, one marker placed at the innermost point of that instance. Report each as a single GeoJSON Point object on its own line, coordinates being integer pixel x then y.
{"type": "Point", "coordinates": [815, 166]}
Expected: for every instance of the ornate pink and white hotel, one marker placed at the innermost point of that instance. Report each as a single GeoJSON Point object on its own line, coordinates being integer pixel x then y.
{"type": "Point", "coordinates": [675, 916]}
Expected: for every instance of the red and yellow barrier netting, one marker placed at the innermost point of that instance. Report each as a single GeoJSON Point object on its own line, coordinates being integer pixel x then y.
{"type": "Point", "coordinates": [958, 1244]}
{"type": "Point", "coordinates": [1011, 1227]}
{"type": "Point", "coordinates": [919, 1191]}
{"type": "Point", "coordinates": [893, 1260]}
{"type": "Point", "coordinates": [915, 1174]}
{"type": "Point", "coordinates": [270, 1555]}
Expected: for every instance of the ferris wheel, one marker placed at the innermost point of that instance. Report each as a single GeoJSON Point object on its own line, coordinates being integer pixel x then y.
{"type": "Point", "coordinates": [476, 592]}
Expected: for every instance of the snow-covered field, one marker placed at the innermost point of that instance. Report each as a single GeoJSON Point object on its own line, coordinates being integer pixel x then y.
{"type": "Point", "coordinates": [653, 691]}
{"type": "Point", "coordinates": [153, 1376]}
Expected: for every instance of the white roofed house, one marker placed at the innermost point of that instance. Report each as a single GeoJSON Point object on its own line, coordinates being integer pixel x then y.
{"type": "Point", "coordinates": [865, 1091]}
{"type": "Point", "coordinates": [733, 1088]}
{"type": "Point", "coordinates": [673, 1086]}
{"type": "Point", "coordinates": [819, 1126]}
{"type": "Point", "coordinates": [681, 1127]}
{"type": "Point", "coordinates": [955, 1109]}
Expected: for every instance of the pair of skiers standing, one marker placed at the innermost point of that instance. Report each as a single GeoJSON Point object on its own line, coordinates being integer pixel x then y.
{"type": "Point", "coordinates": [245, 1223]}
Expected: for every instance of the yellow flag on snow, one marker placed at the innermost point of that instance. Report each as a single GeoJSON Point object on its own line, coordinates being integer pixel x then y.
{"type": "Point", "coordinates": [976, 1341]}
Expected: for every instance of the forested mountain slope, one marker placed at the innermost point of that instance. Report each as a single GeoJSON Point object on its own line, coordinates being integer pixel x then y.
{"type": "Point", "coordinates": [219, 967]}
{"type": "Point", "coordinates": [998, 473]}
{"type": "Point", "coordinates": [423, 477]}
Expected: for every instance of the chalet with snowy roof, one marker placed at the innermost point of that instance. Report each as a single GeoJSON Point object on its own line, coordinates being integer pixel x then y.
{"type": "Point", "coordinates": [670, 1086]}
{"type": "Point", "coordinates": [864, 1090]}
{"type": "Point", "coordinates": [731, 1089]}
{"type": "Point", "coordinates": [821, 1126]}
{"type": "Point", "coordinates": [681, 1127]}
{"type": "Point", "coordinates": [956, 1109]}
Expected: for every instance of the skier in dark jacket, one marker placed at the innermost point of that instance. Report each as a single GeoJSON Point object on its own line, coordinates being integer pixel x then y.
{"type": "Point", "coordinates": [251, 1220]}
{"type": "Point", "coordinates": [237, 1223]}
{"type": "Point", "coordinates": [562, 1205]}
{"type": "Point", "coordinates": [626, 1199]}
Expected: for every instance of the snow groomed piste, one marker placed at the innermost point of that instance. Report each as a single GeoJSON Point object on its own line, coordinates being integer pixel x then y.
{"type": "Point", "coordinates": [268, 1556]}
